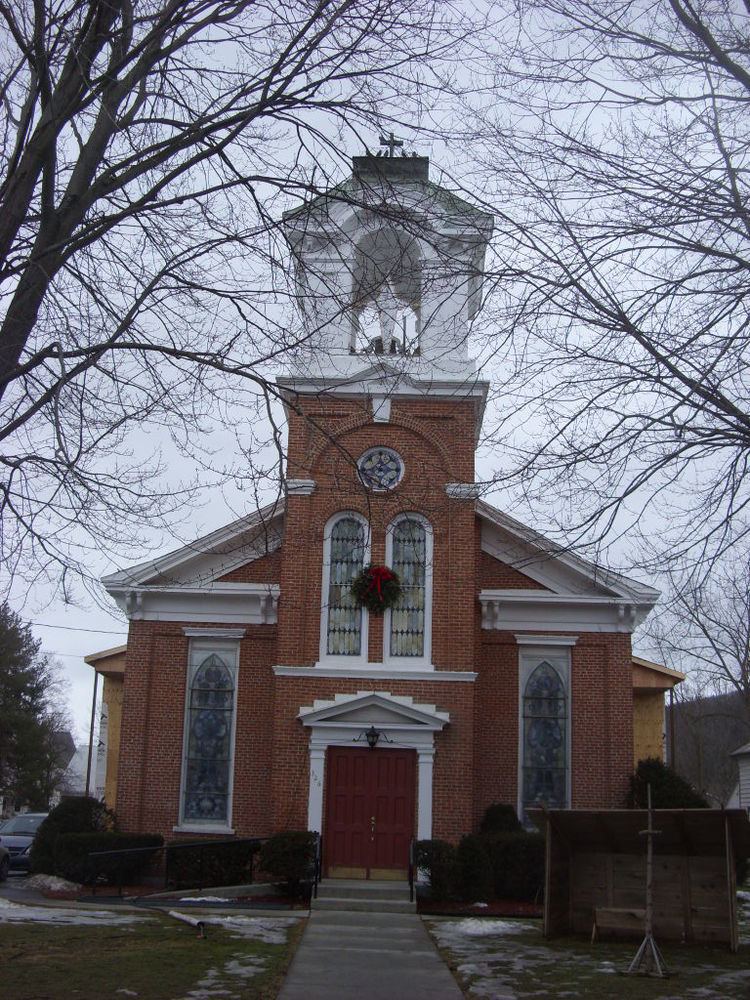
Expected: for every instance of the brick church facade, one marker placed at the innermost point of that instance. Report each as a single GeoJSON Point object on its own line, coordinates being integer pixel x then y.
{"type": "Point", "coordinates": [252, 677]}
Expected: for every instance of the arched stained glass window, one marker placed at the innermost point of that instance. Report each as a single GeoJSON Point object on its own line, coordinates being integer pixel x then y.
{"type": "Point", "coordinates": [346, 561]}
{"type": "Point", "coordinates": [545, 718]}
{"type": "Point", "coordinates": [410, 562]}
{"type": "Point", "coordinates": [209, 742]}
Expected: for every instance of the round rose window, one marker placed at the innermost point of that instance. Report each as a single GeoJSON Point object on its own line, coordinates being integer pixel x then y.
{"type": "Point", "coordinates": [380, 469]}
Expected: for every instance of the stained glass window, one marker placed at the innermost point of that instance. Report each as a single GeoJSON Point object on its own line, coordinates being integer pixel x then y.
{"type": "Point", "coordinates": [209, 744]}
{"type": "Point", "coordinates": [545, 717]}
{"type": "Point", "coordinates": [346, 561]}
{"type": "Point", "coordinates": [409, 561]}
{"type": "Point", "coordinates": [380, 469]}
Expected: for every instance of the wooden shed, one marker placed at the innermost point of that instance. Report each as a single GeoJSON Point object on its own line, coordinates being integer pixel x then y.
{"type": "Point", "coordinates": [596, 872]}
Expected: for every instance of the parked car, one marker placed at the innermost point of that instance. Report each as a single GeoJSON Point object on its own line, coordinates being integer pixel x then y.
{"type": "Point", "coordinates": [4, 863]}
{"type": "Point", "coordinates": [17, 835]}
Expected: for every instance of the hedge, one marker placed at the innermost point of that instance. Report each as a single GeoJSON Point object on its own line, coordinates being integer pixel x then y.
{"type": "Point", "coordinates": [289, 858]}
{"type": "Point", "coordinates": [79, 815]}
{"type": "Point", "coordinates": [72, 856]}
{"type": "Point", "coordinates": [210, 863]}
{"type": "Point", "coordinates": [437, 859]}
{"type": "Point", "coordinates": [474, 868]}
{"type": "Point", "coordinates": [668, 789]}
{"type": "Point", "coordinates": [518, 862]}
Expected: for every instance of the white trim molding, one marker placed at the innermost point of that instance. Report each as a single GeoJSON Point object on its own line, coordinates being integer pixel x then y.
{"type": "Point", "coordinates": [241, 603]}
{"type": "Point", "coordinates": [402, 721]}
{"type": "Point", "coordinates": [214, 633]}
{"type": "Point", "coordinates": [463, 491]}
{"type": "Point", "coordinates": [300, 487]}
{"type": "Point", "coordinates": [511, 610]}
{"type": "Point", "coordinates": [526, 639]}
{"type": "Point", "coordinates": [376, 671]}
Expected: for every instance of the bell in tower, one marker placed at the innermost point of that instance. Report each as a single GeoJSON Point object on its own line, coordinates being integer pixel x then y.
{"type": "Point", "coordinates": [388, 270]}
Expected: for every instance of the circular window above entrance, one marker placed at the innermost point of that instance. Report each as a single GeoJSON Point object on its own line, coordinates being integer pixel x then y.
{"type": "Point", "coordinates": [380, 468]}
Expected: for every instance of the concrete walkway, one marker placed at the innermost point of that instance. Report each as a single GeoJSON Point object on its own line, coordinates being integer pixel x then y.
{"type": "Point", "coordinates": [348, 955]}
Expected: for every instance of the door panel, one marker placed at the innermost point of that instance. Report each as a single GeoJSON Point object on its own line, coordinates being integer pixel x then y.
{"type": "Point", "coordinates": [370, 812]}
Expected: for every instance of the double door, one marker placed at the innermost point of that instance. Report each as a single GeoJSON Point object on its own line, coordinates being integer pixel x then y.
{"type": "Point", "coordinates": [369, 812]}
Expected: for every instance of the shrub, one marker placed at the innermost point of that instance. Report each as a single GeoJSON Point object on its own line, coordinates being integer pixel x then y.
{"type": "Point", "coordinates": [518, 861]}
{"type": "Point", "coordinates": [72, 856]}
{"type": "Point", "coordinates": [210, 862]}
{"type": "Point", "coordinates": [474, 869]}
{"type": "Point", "coordinates": [668, 789]}
{"type": "Point", "coordinates": [500, 818]}
{"type": "Point", "coordinates": [289, 858]}
{"type": "Point", "coordinates": [437, 858]}
{"type": "Point", "coordinates": [80, 815]}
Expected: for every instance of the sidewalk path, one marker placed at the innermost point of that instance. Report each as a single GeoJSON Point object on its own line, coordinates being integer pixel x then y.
{"type": "Point", "coordinates": [354, 955]}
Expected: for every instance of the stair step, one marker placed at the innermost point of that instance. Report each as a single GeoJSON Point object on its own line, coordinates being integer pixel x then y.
{"type": "Point", "coordinates": [363, 890]}
{"type": "Point", "coordinates": [366, 903]}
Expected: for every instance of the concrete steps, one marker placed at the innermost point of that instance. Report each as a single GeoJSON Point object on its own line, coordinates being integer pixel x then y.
{"type": "Point", "coordinates": [363, 895]}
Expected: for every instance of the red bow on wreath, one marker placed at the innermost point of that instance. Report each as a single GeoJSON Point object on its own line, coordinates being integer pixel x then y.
{"type": "Point", "coordinates": [379, 575]}
{"type": "Point", "coordinates": [376, 588]}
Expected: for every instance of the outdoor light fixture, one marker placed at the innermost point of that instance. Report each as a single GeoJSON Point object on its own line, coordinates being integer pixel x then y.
{"type": "Point", "coordinates": [372, 736]}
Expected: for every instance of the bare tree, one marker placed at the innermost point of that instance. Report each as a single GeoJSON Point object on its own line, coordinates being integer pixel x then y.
{"type": "Point", "coordinates": [703, 628]}
{"type": "Point", "coordinates": [612, 140]}
{"type": "Point", "coordinates": [146, 153]}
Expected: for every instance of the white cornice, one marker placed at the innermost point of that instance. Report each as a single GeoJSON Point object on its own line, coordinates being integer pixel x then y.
{"type": "Point", "coordinates": [463, 491]}
{"type": "Point", "coordinates": [240, 603]}
{"type": "Point", "coordinates": [214, 633]}
{"type": "Point", "coordinates": [377, 673]}
{"type": "Point", "coordinates": [538, 610]}
{"type": "Point", "coordinates": [527, 639]}
{"type": "Point", "coordinates": [300, 487]}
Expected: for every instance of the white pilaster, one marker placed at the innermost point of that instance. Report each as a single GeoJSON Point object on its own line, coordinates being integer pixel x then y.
{"type": "Point", "coordinates": [315, 793]}
{"type": "Point", "coordinates": [425, 760]}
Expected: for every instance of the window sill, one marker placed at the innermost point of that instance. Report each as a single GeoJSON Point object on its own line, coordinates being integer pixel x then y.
{"type": "Point", "coordinates": [204, 828]}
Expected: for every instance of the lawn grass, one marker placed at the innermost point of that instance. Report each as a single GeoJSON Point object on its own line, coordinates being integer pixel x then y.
{"type": "Point", "coordinates": [154, 959]}
{"type": "Point", "coordinates": [524, 965]}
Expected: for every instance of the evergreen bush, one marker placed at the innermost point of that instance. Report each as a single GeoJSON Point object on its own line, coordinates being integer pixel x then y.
{"type": "Point", "coordinates": [500, 818]}
{"type": "Point", "coordinates": [208, 862]}
{"type": "Point", "coordinates": [72, 856]}
{"type": "Point", "coordinates": [289, 858]}
{"type": "Point", "coordinates": [437, 859]}
{"type": "Point", "coordinates": [78, 815]}
{"type": "Point", "coordinates": [668, 789]}
{"type": "Point", "coordinates": [518, 861]}
{"type": "Point", "coordinates": [474, 869]}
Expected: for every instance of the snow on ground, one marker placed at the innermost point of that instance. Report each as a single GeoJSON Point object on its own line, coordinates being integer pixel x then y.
{"type": "Point", "coordinates": [269, 930]}
{"type": "Point", "coordinates": [215, 984]}
{"type": "Point", "coordinates": [51, 883]}
{"type": "Point", "coordinates": [19, 913]}
{"type": "Point", "coordinates": [205, 899]}
{"type": "Point", "coordinates": [476, 927]}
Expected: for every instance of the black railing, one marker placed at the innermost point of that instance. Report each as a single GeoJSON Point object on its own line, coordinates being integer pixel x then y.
{"type": "Point", "coordinates": [179, 871]}
{"type": "Point", "coordinates": [318, 864]}
{"type": "Point", "coordinates": [412, 867]}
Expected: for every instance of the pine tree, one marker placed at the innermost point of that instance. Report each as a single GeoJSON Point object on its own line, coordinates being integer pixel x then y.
{"type": "Point", "coordinates": [30, 722]}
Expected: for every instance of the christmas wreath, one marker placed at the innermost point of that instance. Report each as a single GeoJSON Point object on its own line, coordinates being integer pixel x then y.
{"type": "Point", "coordinates": [376, 588]}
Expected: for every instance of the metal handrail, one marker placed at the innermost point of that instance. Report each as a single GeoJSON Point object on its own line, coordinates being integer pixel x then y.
{"type": "Point", "coordinates": [412, 866]}
{"type": "Point", "coordinates": [168, 850]}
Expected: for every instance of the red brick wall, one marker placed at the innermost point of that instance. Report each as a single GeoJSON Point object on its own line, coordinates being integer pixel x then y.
{"type": "Point", "coordinates": [264, 569]}
{"type": "Point", "coordinates": [436, 442]}
{"type": "Point", "coordinates": [151, 744]}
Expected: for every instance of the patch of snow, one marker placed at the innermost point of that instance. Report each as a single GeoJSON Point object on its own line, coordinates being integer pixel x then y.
{"type": "Point", "coordinates": [473, 927]}
{"type": "Point", "coordinates": [19, 913]}
{"type": "Point", "coordinates": [480, 906]}
{"type": "Point", "coordinates": [212, 984]}
{"type": "Point", "coordinates": [127, 993]}
{"type": "Point", "coordinates": [269, 930]}
{"type": "Point", "coordinates": [51, 883]}
{"type": "Point", "coordinates": [204, 899]}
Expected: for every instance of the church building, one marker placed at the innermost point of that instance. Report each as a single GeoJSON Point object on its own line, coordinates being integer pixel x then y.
{"type": "Point", "coordinates": [383, 654]}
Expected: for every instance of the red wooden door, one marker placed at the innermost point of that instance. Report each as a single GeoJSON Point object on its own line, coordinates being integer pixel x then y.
{"type": "Point", "coordinates": [370, 812]}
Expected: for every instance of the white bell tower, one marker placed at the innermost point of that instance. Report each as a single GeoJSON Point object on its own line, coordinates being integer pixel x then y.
{"type": "Point", "coordinates": [388, 273]}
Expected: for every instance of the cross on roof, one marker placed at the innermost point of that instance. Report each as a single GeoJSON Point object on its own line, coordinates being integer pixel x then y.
{"type": "Point", "coordinates": [392, 143]}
